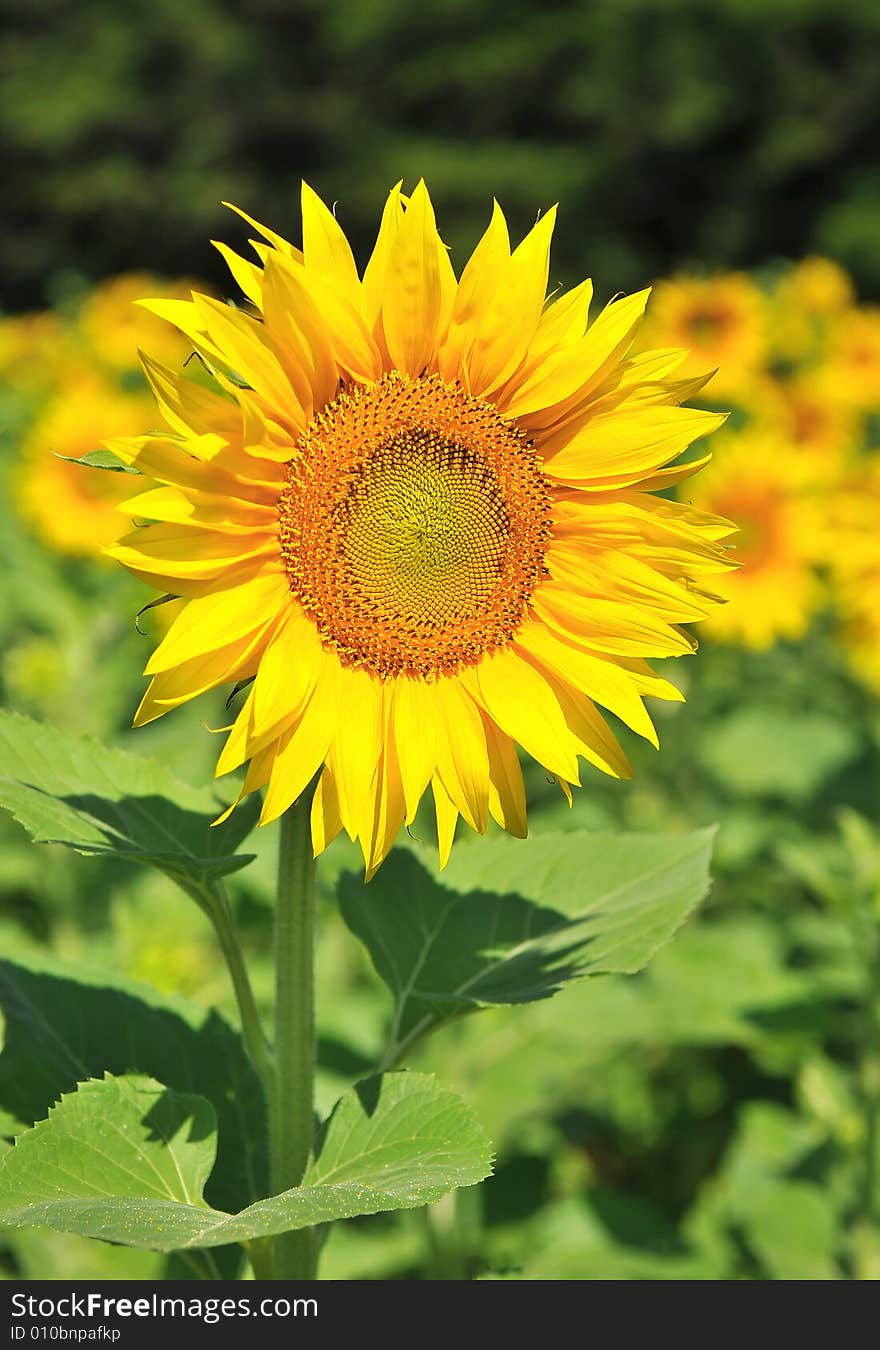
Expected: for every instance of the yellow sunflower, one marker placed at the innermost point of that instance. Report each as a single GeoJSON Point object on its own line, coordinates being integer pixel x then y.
{"type": "Point", "coordinates": [36, 350]}
{"type": "Point", "coordinates": [854, 356]}
{"type": "Point", "coordinates": [719, 320]}
{"type": "Point", "coordinates": [759, 482]}
{"type": "Point", "coordinates": [418, 511]}
{"type": "Point", "coordinates": [75, 512]}
{"type": "Point", "coordinates": [854, 555]}
{"type": "Point", "coordinates": [806, 412]}
{"type": "Point", "coordinates": [818, 286]}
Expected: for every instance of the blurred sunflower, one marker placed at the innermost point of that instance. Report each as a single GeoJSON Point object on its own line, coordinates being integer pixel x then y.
{"type": "Point", "coordinates": [115, 326]}
{"type": "Point", "coordinates": [758, 482]}
{"type": "Point", "coordinates": [854, 356]}
{"type": "Point", "coordinates": [418, 511]}
{"type": "Point", "coordinates": [802, 306]}
{"type": "Point", "coordinates": [719, 320]}
{"type": "Point", "coordinates": [805, 411]}
{"type": "Point", "coordinates": [75, 512]}
{"type": "Point", "coordinates": [818, 286]}
{"type": "Point", "coordinates": [854, 556]}
{"type": "Point", "coordinates": [36, 350]}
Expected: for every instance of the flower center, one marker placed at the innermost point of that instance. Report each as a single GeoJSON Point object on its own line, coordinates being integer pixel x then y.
{"type": "Point", "coordinates": [413, 526]}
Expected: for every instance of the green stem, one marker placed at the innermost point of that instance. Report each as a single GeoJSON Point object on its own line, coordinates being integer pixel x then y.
{"type": "Point", "coordinates": [216, 905]}
{"type": "Point", "coordinates": [292, 1098]}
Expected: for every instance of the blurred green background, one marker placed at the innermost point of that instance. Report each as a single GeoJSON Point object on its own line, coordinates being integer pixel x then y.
{"type": "Point", "coordinates": [717, 1117]}
{"type": "Point", "coordinates": [721, 131]}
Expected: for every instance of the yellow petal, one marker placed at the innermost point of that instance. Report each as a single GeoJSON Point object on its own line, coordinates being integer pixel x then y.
{"type": "Point", "coordinates": [241, 343]}
{"type": "Point", "coordinates": [594, 738]}
{"type": "Point", "coordinates": [447, 818]}
{"type": "Point", "coordinates": [274, 239]}
{"type": "Point", "coordinates": [507, 326]}
{"type": "Point", "coordinates": [171, 688]}
{"type": "Point", "coordinates": [302, 750]}
{"type": "Point", "coordinates": [246, 274]}
{"type": "Point", "coordinates": [356, 746]}
{"type": "Point", "coordinates": [414, 727]}
{"type": "Point", "coordinates": [483, 276]}
{"type": "Point", "coordinates": [326, 822]}
{"type": "Point", "coordinates": [579, 368]}
{"type": "Point", "coordinates": [171, 504]}
{"type": "Point", "coordinates": [169, 462]}
{"type": "Point", "coordinates": [325, 247]}
{"type": "Point", "coordinates": [601, 680]}
{"type": "Point", "coordinates": [257, 776]}
{"type": "Point", "coordinates": [213, 621]}
{"type": "Point", "coordinates": [288, 673]}
{"type": "Point", "coordinates": [520, 700]}
{"type": "Point", "coordinates": [354, 347]}
{"type": "Point", "coordinates": [388, 809]}
{"type": "Point", "coordinates": [507, 794]}
{"type": "Point", "coordinates": [299, 336]}
{"type": "Point", "coordinates": [186, 405]}
{"type": "Point", "coordinates": [177, 554]}
{"type": "Point", "coordinates": [626, 443]}
{"type": "Point", "coordinates": [413, 294]}
{"type": "Point", "coordinates": [373, 284]}
{"type": "Point", "coordinates": [462, 757]}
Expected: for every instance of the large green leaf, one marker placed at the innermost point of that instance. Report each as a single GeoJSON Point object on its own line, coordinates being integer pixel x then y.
{"type": "Point", "coordinates": [71, 790]}
{"type": "Point", "coordinates": [125, 1160]}
{"type": "Point", "coordinates": [120, 1156]}
{"type": "Point", "coordinates": [510, 922]}
{"type": "Point", "coordinates": [65, 1024]}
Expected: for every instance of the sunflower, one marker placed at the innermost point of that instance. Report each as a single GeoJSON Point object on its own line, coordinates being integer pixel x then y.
{"type": "Point", "coordinates": [417, 512]}
{"type": "Point", "coordinates": [807, 413]}
{"type": "Point", "coordinates": [760, 483]}
{"type": "Point", "coordinates": [818, 286]}
{"type": "Point", "coordinates": [854, 356]}
{"type": "Point", "coordinates": [720, 321]}
{"type": "Point", "coordinates": [854, 555]}
{"type": "Point", "coordinates": [73, 512]}
{"type": "Point", "coordinates": [35, 351]}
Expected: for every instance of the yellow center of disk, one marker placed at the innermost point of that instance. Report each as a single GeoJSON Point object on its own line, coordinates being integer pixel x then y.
{"type": "Point", "coordinates": [413, 526]}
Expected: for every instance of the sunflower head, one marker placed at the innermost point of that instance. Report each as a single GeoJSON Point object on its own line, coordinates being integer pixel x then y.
{"type": "Point", "coordinates": [760, 482]}
{"type": "Point", "coordinates": [417, 510]}
{"type": "Point", "coordinates": [853, 549]}
{"type": "Point", "coordinates": [721, 323]}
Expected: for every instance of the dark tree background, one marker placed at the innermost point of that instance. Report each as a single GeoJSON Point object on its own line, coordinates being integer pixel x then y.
{"type": "Point", "coordinates": [672, 131]}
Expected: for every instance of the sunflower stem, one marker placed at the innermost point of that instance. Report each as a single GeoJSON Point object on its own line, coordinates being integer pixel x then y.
{"type": "Point", "coordinates": [292, 1097]}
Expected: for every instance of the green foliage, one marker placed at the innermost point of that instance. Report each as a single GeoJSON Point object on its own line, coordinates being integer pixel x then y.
{"type": "Point", "coordinates": [121, 1158]}
{"type": "Point", "coordinates": [721, 132]}
{"type": "Point", "coordinates": [64, 1024]}
{"type": "Point", "coordinates": [510, 922]}
{"type": "Point", "coordinates": [98, 459]}
{"type": "Point", "coordinates": [72, 791]}
{"type": "Point", "coordinates": [776, 753]}
{"type": "Point", "coordinates": [126, 1160]}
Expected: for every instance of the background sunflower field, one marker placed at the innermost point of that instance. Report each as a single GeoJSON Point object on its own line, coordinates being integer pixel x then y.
{"type": "Point", "coordinates": [718, 1115]}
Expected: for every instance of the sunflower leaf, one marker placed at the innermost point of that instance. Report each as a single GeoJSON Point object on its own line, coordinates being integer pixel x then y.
{"type": "Point", "coordinates": [510, 922]}
{"type": "Point", "coordinates": [98, 459]}
{"type": "Point", "coordinates": [71, 790]}
{"type": "Point", "coordinates": [126, 1160]}
{"type": "Point", "coordinates": [64, 1024]}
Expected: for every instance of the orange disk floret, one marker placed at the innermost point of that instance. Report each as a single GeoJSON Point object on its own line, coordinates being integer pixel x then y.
{"type": "Point", "coordinates": [413, 526]}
